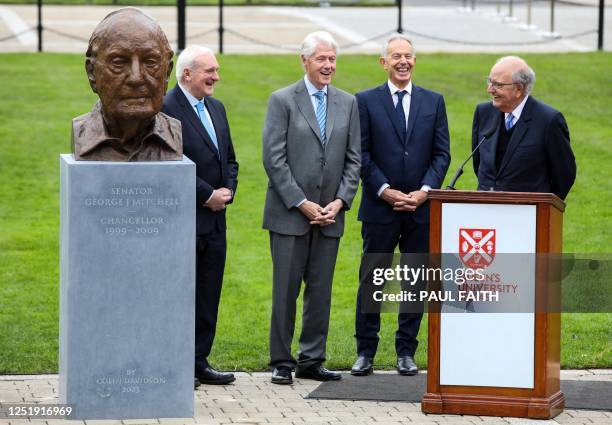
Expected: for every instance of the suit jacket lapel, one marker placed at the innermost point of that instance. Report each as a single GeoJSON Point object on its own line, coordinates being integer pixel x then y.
{"type": "Point", "coordinates": [305, 106]}
{"type": "Point", "coordinates": [194, 120]}
{"type": "Point", "coordinates": [415, 107]}
{"type": "Point", "coordinates": [520, 128]}
{"type": "Point", "coordinates": [217, 125]}
{"type": "Point", "coordinates": [332, 105]}
{"type": "Point", "coordinates": [387, 101]}
{"type": "Point", "coordinates": [494, 139]}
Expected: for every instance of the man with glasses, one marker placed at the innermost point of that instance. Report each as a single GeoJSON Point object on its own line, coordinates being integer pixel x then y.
{"type": "Point", "coordinates": [529, 149]}
{"type": "Point", "coordinates": [208, 143]}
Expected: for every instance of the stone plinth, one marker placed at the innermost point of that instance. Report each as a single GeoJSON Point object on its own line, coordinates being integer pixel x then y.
{"type": "Point", "coordinates": [127, 271]}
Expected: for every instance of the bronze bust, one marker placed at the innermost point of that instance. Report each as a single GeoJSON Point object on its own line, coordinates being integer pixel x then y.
{"type": "Point", "coordinates": [128, 63]}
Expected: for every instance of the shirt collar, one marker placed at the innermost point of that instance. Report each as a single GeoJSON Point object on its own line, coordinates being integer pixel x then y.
{"type": "Point", "coordinates": [393, 88]}
{"type": "Point", "coordinates": [311, 88]}
{"type": "Point", "coordinates": [518, 110]}
{"type": "Point", "coordinates": [94, 131]}
{"type": "Point", "coordinates": [190, 98]}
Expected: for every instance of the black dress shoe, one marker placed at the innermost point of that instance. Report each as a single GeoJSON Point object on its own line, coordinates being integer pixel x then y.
{"type": "Point", "coordinates": [406, 366]}
{"type": "Point", "coordinates": [210, 376]}
{"type": "Point", "coordinates": [282, 376]}
{"type": "Point", "coordinates": [196, 383]}
{"type": "Point", "coordinates": [318, 373]}
{"type": "Point", "coordinates": [362, 366]}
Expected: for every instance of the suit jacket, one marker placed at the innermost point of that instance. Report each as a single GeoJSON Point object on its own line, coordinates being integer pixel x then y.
{"type": "Point", "coordinates": [297, 164]}
{"type": "Point", "coordinates": [406, 165]}
{"type": "Point", "coordinates": [213, 170]}
{"type": "Point", "coordinates": [538, 157]}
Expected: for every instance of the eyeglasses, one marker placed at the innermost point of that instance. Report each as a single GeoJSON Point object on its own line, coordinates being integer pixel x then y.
{"type": "Point", "coordinates": [497, 85]}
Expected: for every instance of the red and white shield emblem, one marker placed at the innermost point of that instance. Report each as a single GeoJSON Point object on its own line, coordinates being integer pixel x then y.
{"type": "Point", "coordinates": [477, 247]}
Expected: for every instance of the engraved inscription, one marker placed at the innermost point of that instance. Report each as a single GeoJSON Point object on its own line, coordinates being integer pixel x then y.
{"type": "Point", "coordinates": [127, 382]}
{"type": "Point", "coordinates": [132, 210]}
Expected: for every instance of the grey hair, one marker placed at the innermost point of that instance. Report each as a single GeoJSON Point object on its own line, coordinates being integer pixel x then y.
{"type": "Point", "coordinates": [393, 37]}
{"type": "Point", "coordinates": [312, 40]}
{"type": "Point", "coordinates": [524, 76]}
{"type": "Point", "coordinates": [188, 57]}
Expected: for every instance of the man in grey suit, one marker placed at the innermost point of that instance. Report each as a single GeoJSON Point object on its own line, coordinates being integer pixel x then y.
{"type": "Point", "coordinates": [311, 153]}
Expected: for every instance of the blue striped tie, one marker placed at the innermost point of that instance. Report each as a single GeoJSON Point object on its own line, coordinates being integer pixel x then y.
{"type": "Point", "coordinates": [321, 113]}
{"type": "Point", "coordinates": [509, 121]}
{"type": "Point", "coordinates": [207, 124]}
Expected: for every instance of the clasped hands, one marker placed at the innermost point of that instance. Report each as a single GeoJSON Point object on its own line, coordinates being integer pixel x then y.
{"type": "Point", "coordinates": [401, 201]}
{"type": "Point", "coordinates": [323, 216]}
{"type": "Point", "coordinates": [220, 197]}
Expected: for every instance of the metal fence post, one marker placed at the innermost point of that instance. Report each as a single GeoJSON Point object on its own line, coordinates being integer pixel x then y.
{"type": "Point", "coordinates": [399, 17]}
{"type": "Point", "coordinates": [221, 29]}
{"type": "Point", "coordinates": [180, 14]}
{"type": "Point", "coordinates": [39, 27]}
{"type": "Point", "coordinates": [552, 16]}
{"type": "Point", "coordinates": [529, 26]}
{"type": "Point", "coordinates": [600, 29]}
{"type": "Point", "coordinates": [552, 33]}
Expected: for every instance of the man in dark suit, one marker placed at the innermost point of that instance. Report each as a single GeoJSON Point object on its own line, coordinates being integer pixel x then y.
{"type": "Point", "coordinates": [405, 152]}
{"type": "Point", "coordinates": [529, 151]}
{"type": "Point", "coordinates": [311, 155]}
{"type": "Point", "coordinates": [208, 143]}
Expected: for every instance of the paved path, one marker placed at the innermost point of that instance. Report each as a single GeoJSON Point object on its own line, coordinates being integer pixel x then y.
{"type": "Point", "coordinates": [434, 26]}
{"type": "Point", "coordinates": [252, 399]}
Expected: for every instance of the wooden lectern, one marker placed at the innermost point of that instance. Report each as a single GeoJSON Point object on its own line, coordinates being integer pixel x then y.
{"type": "Point", "coordinates": [496, 364]}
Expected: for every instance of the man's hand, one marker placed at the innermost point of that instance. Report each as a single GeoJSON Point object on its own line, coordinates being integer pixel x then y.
{"type": "Point", "coordinates": [311, 210]}
{"type": "Point", "coordinates": [219, 198]}
{"type": "Point", "coordinates": [328, 213]}
{"type": "Point", "coordinates": [392, 196]}
{"type": "Point", "coordinates": [414, 200]}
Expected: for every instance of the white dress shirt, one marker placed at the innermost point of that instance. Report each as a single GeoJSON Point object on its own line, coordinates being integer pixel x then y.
{"type": "Point", "coordinates": [517, 111]}
{"type": "Point", "coordinates": [406, 105]}
{"type": "Point", "coordinates": [311, 92]}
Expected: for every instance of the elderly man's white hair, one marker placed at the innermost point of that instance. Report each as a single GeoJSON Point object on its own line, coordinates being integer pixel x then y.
{"type": "Point", "coordinates": [524, 75]}
{"type": "Point", "coordinates": [187, 58]}
{"type": "Point", "coordinates": [393, 37]}
{"type": "Point", "coordinates": [312, 40]}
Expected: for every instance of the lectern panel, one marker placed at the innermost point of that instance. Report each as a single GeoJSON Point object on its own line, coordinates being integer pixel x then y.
{"type": "Point", "coordinates": [477, 346]}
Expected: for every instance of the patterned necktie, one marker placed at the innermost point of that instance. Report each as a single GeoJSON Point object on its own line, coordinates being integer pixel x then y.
{"type": "Point", "coordinates": [509, 121]}
{"type": "Point", "coordinates": [399, 112]}
{"type": "Point", "coordinates": [207, 124]}
{"type": "Point", "coordinates": [321, 113]}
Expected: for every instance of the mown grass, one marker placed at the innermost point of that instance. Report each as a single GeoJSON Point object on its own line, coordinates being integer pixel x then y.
{"type": "Point", "coordinates": [41, 93]}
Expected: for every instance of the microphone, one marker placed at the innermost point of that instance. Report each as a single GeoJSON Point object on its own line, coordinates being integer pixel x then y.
{"type": "Point", "coordinates": [492, 129]}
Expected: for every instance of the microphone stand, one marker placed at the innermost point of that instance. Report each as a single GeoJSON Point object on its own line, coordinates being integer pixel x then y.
{"type": "Point", "coordinates": [459, 172]}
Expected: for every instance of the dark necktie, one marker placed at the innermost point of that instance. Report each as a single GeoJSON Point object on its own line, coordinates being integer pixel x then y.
{"type": "Point", "coordinates": [399, 112]}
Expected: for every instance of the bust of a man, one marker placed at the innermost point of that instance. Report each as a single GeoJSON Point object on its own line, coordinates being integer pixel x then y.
{"type": "Point", "coordinates": [128, 64]}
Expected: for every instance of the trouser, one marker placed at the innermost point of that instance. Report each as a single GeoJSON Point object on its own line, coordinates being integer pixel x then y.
{"type": "Point", "coordinates": [311, 258]}
{"type": "Point", "coordinates": [412, 237]}
{"type": "Point", "coordinates": [210, 265]}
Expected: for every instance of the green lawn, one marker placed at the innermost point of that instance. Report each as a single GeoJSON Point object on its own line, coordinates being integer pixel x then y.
{"type": "Point", "coordinates": [40, 94]}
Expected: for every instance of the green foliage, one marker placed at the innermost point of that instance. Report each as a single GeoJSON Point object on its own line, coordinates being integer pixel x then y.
{"type": "Point", "coordinates": [41, 93]}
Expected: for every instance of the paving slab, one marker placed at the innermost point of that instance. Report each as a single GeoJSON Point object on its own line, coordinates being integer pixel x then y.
{"type": "Point", "coordinates": [217, 405]}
